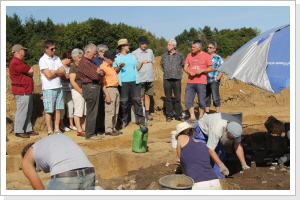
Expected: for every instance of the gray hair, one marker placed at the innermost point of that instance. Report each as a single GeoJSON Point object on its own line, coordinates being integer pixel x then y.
{"type": "Point", "coordinates": [214, 44]}
{"type": "Point", "coordinates": [198, 42]}
{"type": "Point", "coordinates": [173, 41]}
{"type": "Point", "coordinates": [89, 47]}
{"type": "Point", "coordinates": [102, 47]}
{"type": "Point", "coordinates": [75, 52]}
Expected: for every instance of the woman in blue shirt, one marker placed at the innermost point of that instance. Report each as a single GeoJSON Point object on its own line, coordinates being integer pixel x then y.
{"type": "Point", "coordinates": [126, 66]}
{"type": "Point", "coordinates": [194, 159]}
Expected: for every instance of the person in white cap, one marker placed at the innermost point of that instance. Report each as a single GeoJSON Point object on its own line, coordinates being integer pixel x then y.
{"type": "Point", "coordinates": [216, 130]}
{"type": "Point", "coordinates": [194, 159]}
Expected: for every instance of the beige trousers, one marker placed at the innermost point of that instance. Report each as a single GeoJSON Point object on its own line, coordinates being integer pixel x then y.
{"type": "Point", "coordinates": [208, 185]}
{"type": "Point", "coordinates": [112, 110]}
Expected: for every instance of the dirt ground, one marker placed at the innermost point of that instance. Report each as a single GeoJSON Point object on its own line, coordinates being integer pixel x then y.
{"type": "Point", "coordinates": [119, 168]}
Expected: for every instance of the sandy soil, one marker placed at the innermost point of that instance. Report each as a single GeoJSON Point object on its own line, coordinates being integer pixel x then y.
{"type": "Point", "coordinates": [117, 167]}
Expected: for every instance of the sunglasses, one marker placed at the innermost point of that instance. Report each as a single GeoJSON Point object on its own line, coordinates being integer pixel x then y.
{"type": "Point", "coordinates": [210, 47]}
{"type": "Point", "coordinates": [53, 48]}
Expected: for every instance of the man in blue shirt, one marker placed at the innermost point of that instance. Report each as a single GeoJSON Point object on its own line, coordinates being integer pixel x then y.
{"type": "Point", "coordinates": [213, 79]}
{"type": "Point", "coordinates": [99, 58]}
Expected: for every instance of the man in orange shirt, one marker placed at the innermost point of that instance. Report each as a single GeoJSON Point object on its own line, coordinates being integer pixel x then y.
{"type": "Point", "coordinates": [110, 84]}
{"type": "Point", "coordinates": [197, 65]}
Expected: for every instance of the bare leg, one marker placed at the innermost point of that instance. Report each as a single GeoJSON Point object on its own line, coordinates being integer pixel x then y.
{"type": "Point", "coordinates": [48, 119]}
{"type": "Point", "coordinates": [147, 102]}
{"type": "Point", "coordinates": [201, 112]}
{"type": "Point", "coordinates": [77, 121]}
{"type": "Point", "coordinates": [83, 122]}
{"type": "Point", "coordinates": [192, 113]}
{"type": "Point", "coordinates": [71, 122]}
{"type": "Point", "coordinates": [56, 119]}
{"type": "Point", "coordinates": [207, 109]}
{"type": "Point", "coordinates": [217, 109]}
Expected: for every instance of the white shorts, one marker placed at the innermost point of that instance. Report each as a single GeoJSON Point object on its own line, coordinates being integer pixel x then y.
{"type": "Point", "coordinates": [79, 103]}
{"type": "Point", "coordinates": [208, 185]}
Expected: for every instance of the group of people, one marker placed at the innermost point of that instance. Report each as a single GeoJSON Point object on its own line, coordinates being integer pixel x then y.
{"type": "Point", "coordinates": [81, 79]}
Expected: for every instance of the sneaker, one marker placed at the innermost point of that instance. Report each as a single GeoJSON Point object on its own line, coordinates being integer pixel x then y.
{"type": "Point", "coordinates": [73, 128]}
{"type": "Point", "coordinates": [57, 131]}
{"type": "Point", "coordinates": [112, 133]}
{"type": "Point", "coordinates": [22, 135]}
{"type": "Point", "coordinates": [50, 133]}
{"type": "Point", "coordinates": [65, 129]}
{"type": "Point", "coordinates": [95, 137]}
{"type": "Point", "coordinates": [149, 118]}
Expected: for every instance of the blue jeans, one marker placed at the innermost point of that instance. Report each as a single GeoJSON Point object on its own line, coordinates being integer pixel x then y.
{"type": "Point", "coordinates": [190, 92]}
{"type": "Point", "coordinates": [200, 136]}
{"type": "Point", "coordinates": [212, 89]}
{"type": "Point", "coordinates": [72, 183]}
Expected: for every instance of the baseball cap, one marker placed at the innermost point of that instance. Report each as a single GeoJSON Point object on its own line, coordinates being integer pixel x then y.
{"type": "Point", "coordinates": [17, 47]}
{"type": "Point", "coordinates": [109, 54]}
{"type": "Point", "coordinates": [235, 129]}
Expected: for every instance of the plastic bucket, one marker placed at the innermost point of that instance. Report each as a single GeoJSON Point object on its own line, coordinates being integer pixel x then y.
{"type": "Point", "coordinates": [173, 139]}
{"type": "Point", "coordinates": [176, 182]}
{"type": "Point", "coordinates": [238, 115]}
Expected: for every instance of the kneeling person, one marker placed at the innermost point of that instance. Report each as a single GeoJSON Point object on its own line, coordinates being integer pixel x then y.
{"type": "Point", "coordinates": [67, 163]}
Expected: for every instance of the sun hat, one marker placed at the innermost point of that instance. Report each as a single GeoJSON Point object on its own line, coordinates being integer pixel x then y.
{"type": "Point", "coordinates": [143, 39]}
{"type": "Point", "coordinates": [122, 42]}
{"type": "Point", "coordinates": [235, 129]}
{"type": "Point", "coordinates": [109, 54]}
{"type": "Point", "coordinates": [17, 47]}
{"type": "Point", "coordinates": [181, 127]}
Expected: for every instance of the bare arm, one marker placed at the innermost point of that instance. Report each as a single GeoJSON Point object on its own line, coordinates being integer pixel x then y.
{"type": "Point", "coordinates": [239, 151]}
{"type": "Point", "coordinates": [214, 156]}
{"type": "Point", "coordinates": [141, 64]}
{"type": "Point", "coordinates": [187, 69]}
{"type": "Point", "coordinates": [209, 69]}
{"type": "Point", "coordinates": [107, 96]}
{"type": "Point", "coordinates": [74, 84]}
{"type": "Point", "coordinates": [50, 74]}
{"type": "Point", "coordinates": [117, 69]}
{"type": "Point", "coordinates": [29, 171]}
{"type": "Point", "coordinates": [30, 72]}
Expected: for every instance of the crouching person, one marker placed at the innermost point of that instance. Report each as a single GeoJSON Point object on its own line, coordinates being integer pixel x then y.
{"type": "Point", "coordinates": [67, 163]}
{"type": "Point", "coordinates": [194, 159]}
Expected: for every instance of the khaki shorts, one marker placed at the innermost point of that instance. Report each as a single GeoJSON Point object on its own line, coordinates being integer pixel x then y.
{"type": "Point", "coordinates": [147, 88]}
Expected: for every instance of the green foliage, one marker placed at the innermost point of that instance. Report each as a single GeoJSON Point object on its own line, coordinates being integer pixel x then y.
{"type": "Point", "coordinates": [32, 34]}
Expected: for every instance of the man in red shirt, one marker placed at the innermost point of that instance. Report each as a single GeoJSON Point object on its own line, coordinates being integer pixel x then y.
{"type": "Point", "coordinates": [22, 88]}
{"type": "Point", "coordinates": [197, 65]}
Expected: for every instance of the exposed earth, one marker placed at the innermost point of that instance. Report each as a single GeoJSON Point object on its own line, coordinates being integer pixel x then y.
{"type": "Point", "coordinates": [119, 168]}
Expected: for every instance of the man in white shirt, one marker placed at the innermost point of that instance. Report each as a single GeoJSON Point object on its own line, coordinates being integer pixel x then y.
{"type": "Point", "coordinates": [216, 130]}
{"type": "Point", "coordinates": [51, 70]}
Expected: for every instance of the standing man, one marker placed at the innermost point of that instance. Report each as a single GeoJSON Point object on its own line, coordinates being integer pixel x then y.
{"type": "Point", "coordinates": [197, 65]}
{"type": "Point", "coordinates": [99, 58]}
{"type": "Point", "coordinates": [172, 63]}
{"type": "Point", "coordinates": [110, 85]}
{"type": "Point", "coordinates": [145, 58]}
{"type": "Point", "coordinates": [213, 79]}
{"type": "Point", "coordinates": [90, 74]}
{"type": "Point", "coordinates": [216, 130]}
{"type": "Point", "coordinates": [22, 88]}
{"type": "Point", "coordinates": [51, 69]}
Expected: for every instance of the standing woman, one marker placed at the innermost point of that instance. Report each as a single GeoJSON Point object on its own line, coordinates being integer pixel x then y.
{"type": "Point", "coordinates": [194, 159]}
{"type": "Point", "coordinates": [69, 104]}
{"type": "Point", "coordinates": [79, 102]}
{"type": "Point", "coordinates": [125, 65]}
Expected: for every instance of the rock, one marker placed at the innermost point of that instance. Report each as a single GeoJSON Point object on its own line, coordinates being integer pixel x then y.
{"type": "Point", "coordinates": [153, 186]}
{"type": "Point", "coordinates": [282, 169]}
{"type": "Point", "coordinates": [121, 187]}
{"type": "Point", "coordinates": [264, 182]}
{"type": "Point", "coordinates": [272, 168]}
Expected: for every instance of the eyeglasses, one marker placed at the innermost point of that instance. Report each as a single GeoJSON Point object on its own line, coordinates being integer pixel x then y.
{"type": "Point", "coordinates": [53, 48]}
{"type": "Point", "coordinates": [210, 47]}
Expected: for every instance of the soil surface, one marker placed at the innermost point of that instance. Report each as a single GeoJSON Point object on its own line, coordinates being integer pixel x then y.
{"type": "Point", "coordinates": [119, 168]}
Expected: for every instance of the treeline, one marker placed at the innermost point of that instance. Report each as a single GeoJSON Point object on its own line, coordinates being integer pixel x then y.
{"type": "Point", "coordinates": [32, 34]}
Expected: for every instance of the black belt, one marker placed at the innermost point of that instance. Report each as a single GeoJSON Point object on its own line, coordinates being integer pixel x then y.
{"type": "Point", "coordinates": [94, 83]}
{"type": "Point", "coordinates": [75, 173]}
{"type": "Point", "coordinates": [112, 87]}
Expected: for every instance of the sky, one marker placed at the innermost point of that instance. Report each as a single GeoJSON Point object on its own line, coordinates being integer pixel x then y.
{"type": "Point", "coordinates": [164, 20]}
